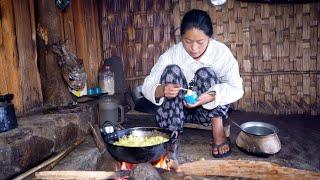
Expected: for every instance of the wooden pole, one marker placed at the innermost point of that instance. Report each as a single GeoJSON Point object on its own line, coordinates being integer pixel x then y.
{"type": "Point", "coordinates": [226, 168]}
{"type": "Point", "coordinates": [76, 175]}
{"type": "Point", "coordinates": [98, 138]}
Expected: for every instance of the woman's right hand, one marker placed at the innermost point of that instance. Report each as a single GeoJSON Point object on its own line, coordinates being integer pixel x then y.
{"type": "Point", "coordinates": [171, 90]}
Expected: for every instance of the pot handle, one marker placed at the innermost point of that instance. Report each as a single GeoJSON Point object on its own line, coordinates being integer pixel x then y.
{"type": "Point", "coordinates": [121, 114]}
{"type": "Point", "coordinates": [110, 127]}
{"type": "Point", "coordinates": [107, 127]}
{"type": "Point", "coordinates": [109, 131]}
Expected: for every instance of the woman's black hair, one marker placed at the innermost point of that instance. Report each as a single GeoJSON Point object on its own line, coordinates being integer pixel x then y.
{"type": "Point", "coordinates": [196, 18]}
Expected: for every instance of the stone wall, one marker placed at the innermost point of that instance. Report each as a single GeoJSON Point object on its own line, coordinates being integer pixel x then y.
{"type": "Point", "coordinates": [40, 136]}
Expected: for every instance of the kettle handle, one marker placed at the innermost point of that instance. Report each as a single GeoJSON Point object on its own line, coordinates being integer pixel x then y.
{"type": "Point", "coordinates": [121, 114]}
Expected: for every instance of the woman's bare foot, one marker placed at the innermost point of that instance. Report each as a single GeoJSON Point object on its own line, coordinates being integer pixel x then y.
{"type": "Point", "coordinates": [221, 146]}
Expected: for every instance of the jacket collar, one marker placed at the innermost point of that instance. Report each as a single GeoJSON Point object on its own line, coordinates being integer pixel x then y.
{"type": "Point", "coordinates": [204, 59]}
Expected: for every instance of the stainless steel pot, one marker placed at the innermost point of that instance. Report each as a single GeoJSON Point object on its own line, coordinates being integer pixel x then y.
{"type": "Point", "coordinates": [258, 128]}
{"type": "Point", "coordinates": [259, 138]}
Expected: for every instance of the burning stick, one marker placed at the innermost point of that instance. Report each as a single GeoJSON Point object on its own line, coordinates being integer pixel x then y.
{"type": "Point", "coordinates": [172, 165]}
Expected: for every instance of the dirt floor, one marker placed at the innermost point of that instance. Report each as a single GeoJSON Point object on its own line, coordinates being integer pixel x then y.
{"type": "Point", "coordinates": [299, 136]}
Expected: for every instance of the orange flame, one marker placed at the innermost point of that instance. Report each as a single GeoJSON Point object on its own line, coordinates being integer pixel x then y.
{"type": "Point", "coordinates": [161, 163]}
{"type": "Point", "coordinates": [127, 166]}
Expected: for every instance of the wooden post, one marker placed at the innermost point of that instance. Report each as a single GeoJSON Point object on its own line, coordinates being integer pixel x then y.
{"type": "Point", "coordinates": [9, 60]}
{"type": "Point", "coordinates": [55, 89]}
{"type": "Point", "coordinates": [27, 53]}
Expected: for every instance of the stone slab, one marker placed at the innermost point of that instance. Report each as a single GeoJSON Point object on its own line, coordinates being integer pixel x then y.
{"type": "Point", "coordinates": [84, 157]}
{"type": "Point", "coordinates": [40, 136]}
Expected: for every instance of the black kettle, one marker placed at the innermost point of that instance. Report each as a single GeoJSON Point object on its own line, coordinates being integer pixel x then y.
{"type": "Point", "coordinates": [8, 118]}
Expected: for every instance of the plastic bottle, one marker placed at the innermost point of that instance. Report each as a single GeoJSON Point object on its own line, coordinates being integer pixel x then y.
{"type": "Point", "coordinates": [106, 80]}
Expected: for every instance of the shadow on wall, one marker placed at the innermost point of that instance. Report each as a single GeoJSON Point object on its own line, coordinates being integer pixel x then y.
{"type": "Point", "coordinates": [142, 104]}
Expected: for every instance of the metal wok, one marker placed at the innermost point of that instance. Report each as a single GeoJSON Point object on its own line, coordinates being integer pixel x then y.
{"type": "Point", "coordinates": [137, 155]}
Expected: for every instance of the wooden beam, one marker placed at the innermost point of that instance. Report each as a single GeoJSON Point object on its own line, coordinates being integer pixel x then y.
{"type": "Point", "coordinates": [76, 175]}
{"type": "Point", "coordinates": [244, 169]}
{"type": "Point", "coordinates": [80, 33]}
{"type": "Point", "coordinates": [9, 60]}
{"type": "Point", "coordinates": [225, 168]}
{"type": "Point", "coordinates": [27, 52]}
{"type": "Point", "coordinates": [93, 41]}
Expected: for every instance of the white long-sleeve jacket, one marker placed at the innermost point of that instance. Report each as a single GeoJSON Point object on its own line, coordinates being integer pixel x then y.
{"type": "Point", "coordinates": [217, 56]}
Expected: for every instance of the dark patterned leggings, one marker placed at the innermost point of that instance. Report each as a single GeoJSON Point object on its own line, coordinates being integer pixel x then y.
{"type": "Point", "coordinates": [172, 113]}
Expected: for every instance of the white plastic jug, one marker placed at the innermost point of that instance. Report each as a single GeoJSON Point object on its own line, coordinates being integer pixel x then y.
{"type": "Point", "coordinates": [109, 111]}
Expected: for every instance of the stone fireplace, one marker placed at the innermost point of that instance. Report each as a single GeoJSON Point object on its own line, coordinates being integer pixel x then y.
{"type": "Point", "coordinates": [41, 136]}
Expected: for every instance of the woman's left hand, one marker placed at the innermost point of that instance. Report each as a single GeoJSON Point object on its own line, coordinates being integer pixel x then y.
{"type": "Point", "coordinates": [202, 99]}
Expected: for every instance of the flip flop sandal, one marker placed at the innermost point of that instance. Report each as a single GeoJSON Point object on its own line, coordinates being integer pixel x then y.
{"type": "Point", "coordinates": [226, 142]}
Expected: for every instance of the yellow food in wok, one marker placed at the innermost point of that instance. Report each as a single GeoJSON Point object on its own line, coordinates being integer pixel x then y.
{"type": "Point", "coordinates": [135, 141]}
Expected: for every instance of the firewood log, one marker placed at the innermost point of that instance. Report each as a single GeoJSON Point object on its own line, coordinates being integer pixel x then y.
{"type": "Point", "coordinates": [244, 169]}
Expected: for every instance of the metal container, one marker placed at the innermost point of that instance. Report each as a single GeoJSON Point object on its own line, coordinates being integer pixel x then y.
{"type": "Point", "coordinates": [8, 118]}
{"type": "Point", "coordinates": [258, 128]}
{"type": "Point", "coordinates": [109, 109]}
{"type": "Point", "coordinates": [137, 155]}
{"type": "Point", "coordinates": [259, 138]}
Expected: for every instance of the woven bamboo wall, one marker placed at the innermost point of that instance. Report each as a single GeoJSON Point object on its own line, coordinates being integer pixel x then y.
{"type": "Point", "coordinates": [138, 32]}
{"type": "Point", "coordinates": [276, 45]}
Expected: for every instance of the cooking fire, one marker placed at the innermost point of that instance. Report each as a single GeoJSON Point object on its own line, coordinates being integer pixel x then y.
{"type": "Point", "coordinates": [163, 163]}
{"type": "Point", "coordinates": [153, 169]}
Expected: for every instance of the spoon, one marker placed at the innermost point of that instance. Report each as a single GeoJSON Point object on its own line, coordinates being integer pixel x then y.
{"type": "Point", "coordinates": [240, 127]}
{"type": "Point", "coordinates": [237, 124]}
{"type": "Point", "coordinates": [184, 89]}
